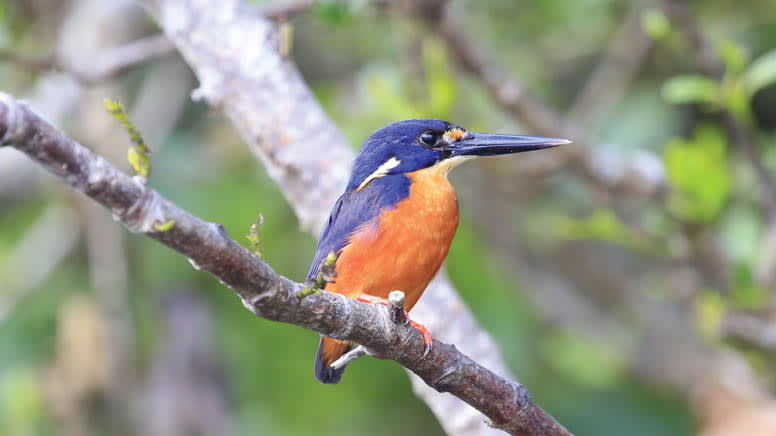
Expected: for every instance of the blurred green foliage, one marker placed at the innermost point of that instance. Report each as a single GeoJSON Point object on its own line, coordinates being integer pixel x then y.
{"type": "Point", "coordinates": [655, 24]}
{"type": "Point", "coordinates": [698, 172]}
{"type": "Point", "coordinates": [601, 225]}
{"type": "Point", "coordinates": [691, 88]}
{"type": "Point", "coordinates": [760, 74]}
{"type": "Point", "coordinates": [21, 402]}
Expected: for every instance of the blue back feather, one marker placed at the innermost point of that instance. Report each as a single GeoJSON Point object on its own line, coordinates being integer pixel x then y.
{"type": "Point", "coordinates": [355, 208]}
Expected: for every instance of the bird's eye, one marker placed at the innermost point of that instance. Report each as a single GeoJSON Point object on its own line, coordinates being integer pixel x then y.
{"type": "Point", "coordinates": [429, 138]}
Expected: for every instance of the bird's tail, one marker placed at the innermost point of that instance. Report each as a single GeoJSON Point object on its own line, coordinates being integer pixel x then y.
{"type": "Point", "coordinates": [330, 350]}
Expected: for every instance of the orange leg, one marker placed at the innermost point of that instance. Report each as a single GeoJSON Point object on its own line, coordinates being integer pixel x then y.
{"type": "Point", "coordinates": [427, 341]}
{"type": "Point", "coordinates": [371, 299]}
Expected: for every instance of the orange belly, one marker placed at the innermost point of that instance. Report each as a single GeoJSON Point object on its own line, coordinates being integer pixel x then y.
{"type": "Point", "coordinates": [406, 246]}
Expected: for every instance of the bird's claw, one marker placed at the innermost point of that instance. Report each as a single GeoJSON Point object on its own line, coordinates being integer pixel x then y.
{"type": "Point", "coordinates": [427, 341]}
{"type": "Point", "coordinates": [371, 299]}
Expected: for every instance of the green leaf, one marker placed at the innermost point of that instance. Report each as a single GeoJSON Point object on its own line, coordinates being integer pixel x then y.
{"type": "Point", "coordinates": [737, 100]}
{"type": "Point", "coordinates": [254, 237]}
{"type": "Point", "coordinates": [136, 160]}
{"type": "Point", "coordinates": [139, 156]}
{"type": "Point", "coordinates": [698, 174]}
{"type": "Point", "coordinates": [384, 88]}
{"type": "Point", "coordinates": [332, 12]}
{"type": "Point", "coordinates": [326, 274]}
{"type": "Point", "coordinates": [761, 73]}
{"type": "Point", "coordinates": [733, 56]}
{"type": "Point", "coordinates": [655, 24]}
{"type": "Point", "coordinates": [691, 89]}
{"type": "Point", "coordinates": [440, 82]}
{"type": "Point", "coordinates": [749, 298]}
{"type": "Point", "coordinates": [710, 311]}
{"type": "Point", "coordinates": [741, 232]}
{"type": "Point", "coordinates": [163, 227]}
{"type": "Point", "coordinates": [21, 400]}
{"type": "Point", "coordinates": [747, 295]}
{"type": "Point", "coordinates": [585, 362]}
{"type": "Point", "coordinates": [601, 225]}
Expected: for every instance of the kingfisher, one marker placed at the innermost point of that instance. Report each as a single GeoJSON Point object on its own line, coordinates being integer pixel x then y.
{"type": "Point", "coordinates": [392, 227]}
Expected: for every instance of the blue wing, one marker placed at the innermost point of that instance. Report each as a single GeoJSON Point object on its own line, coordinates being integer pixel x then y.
{"type": "Point", "coordinates": [355, 208]}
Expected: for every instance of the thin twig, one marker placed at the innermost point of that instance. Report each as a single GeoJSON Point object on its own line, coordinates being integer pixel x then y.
{"type": "Point", "coordinates": [31, 63]}
{"type": "Point", "coordinates": [751, 329]}
{"type": "Point", "coordinates": [267, 294]}
{"type": "Point", "coordinates": [121, 59]}
{"type": "Point", "coordinates": [108, 65]}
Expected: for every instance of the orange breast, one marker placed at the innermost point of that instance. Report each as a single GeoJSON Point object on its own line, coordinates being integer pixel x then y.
{"type": "Point", "coordinates": [404, 249]}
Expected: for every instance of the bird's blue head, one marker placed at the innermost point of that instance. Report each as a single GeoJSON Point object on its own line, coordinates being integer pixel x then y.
{"type": "Point", "coordinates": [411, 145]}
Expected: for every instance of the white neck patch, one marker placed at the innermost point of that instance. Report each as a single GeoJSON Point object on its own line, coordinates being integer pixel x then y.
{"type": "Point", "coordinates": [452, 162]}
{"type": "Point", "coordinates": [380, 171]}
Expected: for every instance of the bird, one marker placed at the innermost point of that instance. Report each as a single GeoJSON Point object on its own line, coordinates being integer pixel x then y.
{"type": "Point", "coordinates": [392, 227]}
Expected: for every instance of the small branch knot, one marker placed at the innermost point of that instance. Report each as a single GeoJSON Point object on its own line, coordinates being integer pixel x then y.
{"type": "Point", "coordinates": [396, 307]}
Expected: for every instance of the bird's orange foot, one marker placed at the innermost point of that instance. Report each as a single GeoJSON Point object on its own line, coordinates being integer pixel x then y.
{"type": "Point", "coordinates": [371, 299]}
{"type": "Point", "coordinates": [427, 341]}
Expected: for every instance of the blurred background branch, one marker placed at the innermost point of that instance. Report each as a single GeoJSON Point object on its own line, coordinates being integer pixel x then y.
{"type": "Point", "coordinates": [108, 65]}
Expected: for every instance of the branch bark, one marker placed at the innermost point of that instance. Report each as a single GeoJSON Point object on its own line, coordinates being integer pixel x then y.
{"type": "Point", "coordinates": [267, 294]}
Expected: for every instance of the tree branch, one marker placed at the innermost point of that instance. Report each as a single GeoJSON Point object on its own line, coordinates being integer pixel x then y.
{"type": "Point", "coordinates": [108, 65]}
{"type": "Point", "coordinates": [751, 329]}
{"type": "Point", "coordinates": [267, 294]}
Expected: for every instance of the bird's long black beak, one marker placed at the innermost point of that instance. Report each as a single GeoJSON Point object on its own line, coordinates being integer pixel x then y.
{"type": "Point", "coordinates": [491, 144]}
